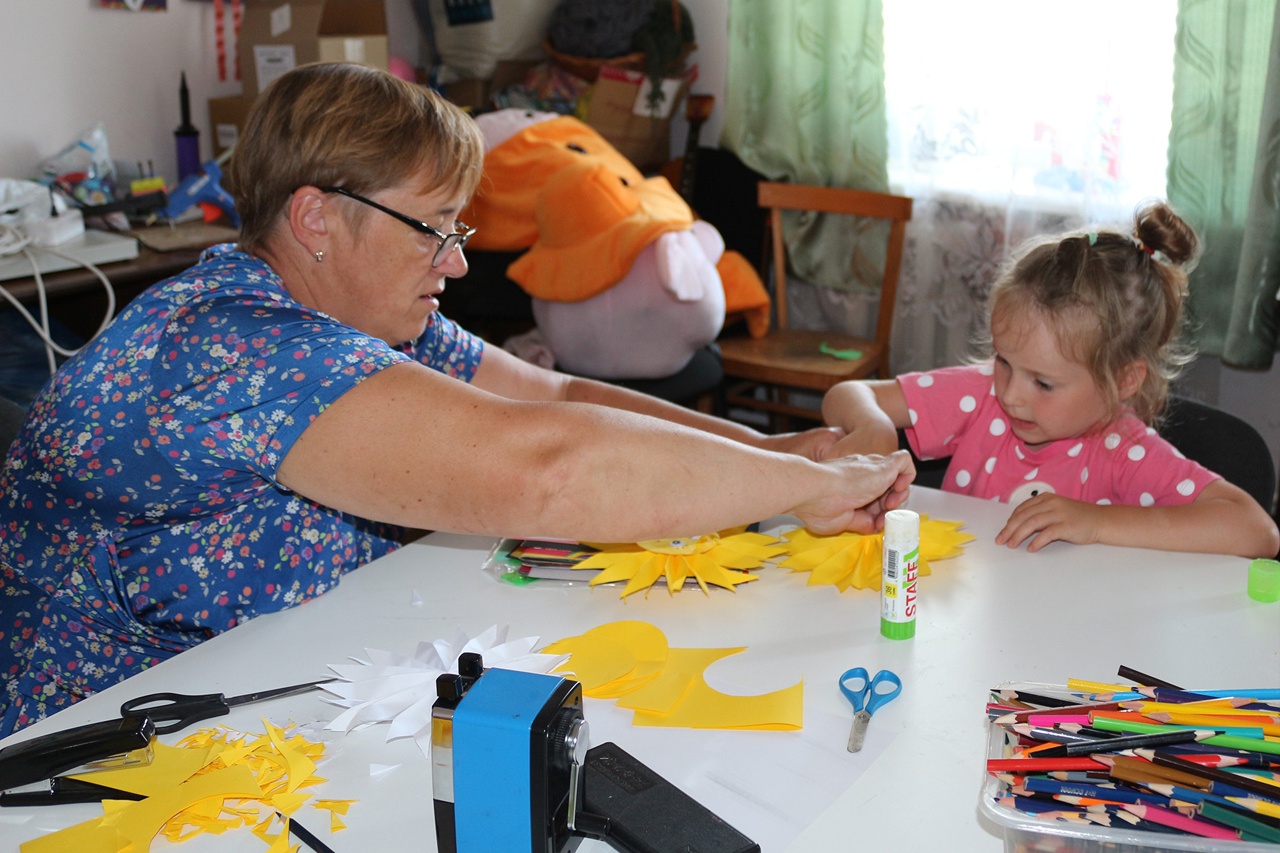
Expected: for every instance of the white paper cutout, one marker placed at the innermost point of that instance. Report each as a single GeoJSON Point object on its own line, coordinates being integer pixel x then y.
{"type": "Point", "coordinates": [399, 689]}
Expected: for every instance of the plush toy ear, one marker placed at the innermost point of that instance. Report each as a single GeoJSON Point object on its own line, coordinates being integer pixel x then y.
{"type": "Point", "coordinates": [684, 269]}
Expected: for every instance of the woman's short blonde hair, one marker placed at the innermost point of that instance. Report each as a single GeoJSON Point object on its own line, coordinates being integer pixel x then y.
{"type": "Point", "coordinates": [339, 124]}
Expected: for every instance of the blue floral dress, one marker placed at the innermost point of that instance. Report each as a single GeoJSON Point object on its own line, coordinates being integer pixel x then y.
{"type": "Point", "coordinates": [140, 512]}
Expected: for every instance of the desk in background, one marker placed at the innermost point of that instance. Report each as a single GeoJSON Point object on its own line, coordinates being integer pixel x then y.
{"type": "Point", "coordinates": [988, 616]}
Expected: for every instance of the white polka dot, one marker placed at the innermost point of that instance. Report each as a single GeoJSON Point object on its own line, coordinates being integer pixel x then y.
{"type": "Point", "coordinates": [1177, 452]}
{"type": "Point", "coordinates": [991, 392]}
{"type": "Point", "coordinates": [987, 369]}
{"type": "Point", "coordinates": [963, 478]}
{"type": "Point", "coordinates": [913, 415]}
{"type": "Point", "coordinates": [967, 403]}
{"type": "Point", "coordinates": [1186, 487]}
{"type": "Point", "coordinates": [1151, 430]}
{"type": "Point", "coordinates": [1035, 472]}
{"type": "Point", "coordinates": [1084, 475]}
{"type": "Point", "coordinates": [1146, 499]}
{"type": "Point", "coordinates": [926, 381]}
{"type": "Point", "coordinates": [1113, 441]}
{"type": "Point", "coordinates": [1105, 502]}
{"type": "Point", "coordinates": [991, 465]}
{"type": "Point", "coordinates": [1137, 452]}
{"type": "Point", "coordinates": [946, 442]}
{"type": "Point", "coordinates": [998, 427]}
{"type": "Point", "coordinates": [1075, 451]}
{"type": "Point", "coordinates": [1017, 451]}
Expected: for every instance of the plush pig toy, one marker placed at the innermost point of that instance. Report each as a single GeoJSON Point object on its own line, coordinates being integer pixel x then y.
{"type": "Point", "coordinates": [624, 281]}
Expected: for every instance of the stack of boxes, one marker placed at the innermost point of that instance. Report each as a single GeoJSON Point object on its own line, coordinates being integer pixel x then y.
{"type": "Point", "coordinates": [277, 36]}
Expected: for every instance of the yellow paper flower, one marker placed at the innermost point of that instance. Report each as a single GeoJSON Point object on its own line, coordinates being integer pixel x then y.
{"type": "Point", "coordinates": [853, 559]}
{"type": "Point", "coordinates": [715, 558]}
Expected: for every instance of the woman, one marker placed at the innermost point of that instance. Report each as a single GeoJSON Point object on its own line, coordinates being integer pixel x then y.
{"type": "Point", "coordinates": [245, 433]}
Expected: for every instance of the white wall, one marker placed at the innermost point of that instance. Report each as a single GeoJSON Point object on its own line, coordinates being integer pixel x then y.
{"type": "Point", "coordinates": [66, 64]}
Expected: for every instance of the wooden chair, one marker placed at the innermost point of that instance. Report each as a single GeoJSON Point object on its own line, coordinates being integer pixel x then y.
{"type": "Point", "coordinates": [787, 359]}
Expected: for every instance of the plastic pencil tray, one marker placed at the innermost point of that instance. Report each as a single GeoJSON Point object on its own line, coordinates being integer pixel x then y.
{"type": "Point", "coordinates": [1024, 833]}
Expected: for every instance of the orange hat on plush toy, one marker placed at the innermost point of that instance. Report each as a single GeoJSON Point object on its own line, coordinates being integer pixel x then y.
{"type": "Point", "coordinates": [592, 224]}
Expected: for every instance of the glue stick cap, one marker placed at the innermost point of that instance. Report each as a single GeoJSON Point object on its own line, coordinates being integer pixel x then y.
{"type": "Point", "coordinates": [1264, 581]}
{"type": "Point", "coordinates": [901, 524]}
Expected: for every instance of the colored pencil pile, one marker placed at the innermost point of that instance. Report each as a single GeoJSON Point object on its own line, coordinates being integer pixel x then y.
{"type": "Point", "coordinates": [1153, 758]}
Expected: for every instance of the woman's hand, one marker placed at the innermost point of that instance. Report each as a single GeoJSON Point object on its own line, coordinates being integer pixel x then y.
{"type": "Point", "coordinates": [865, 489]}
{"type": "Point", "coordinates": [1049, 518]}
{"type": "Point", "coordinates": [813, 444]}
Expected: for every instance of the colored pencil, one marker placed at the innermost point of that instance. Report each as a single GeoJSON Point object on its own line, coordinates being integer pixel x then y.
{"type": "Point", "coordinates": [1143, 679]}
{"type": "Point", "coordinates": [1214, 756]}
{"type": "Point", "coordinates": [1213, 774]}
{"type": "Point", "coordinates": [1021, 716]}
{"type": "Point", "coordinates": [1259, 806]}
{"type": "Point", "coordinates": [1133, 742]}
{"type": "Point", "coordinates": [1141, 770]}
{"type": "Point", "coordinates": [1097, 792]}
{"type": "Point", "coordinates": [1032, 765]}
{"type": "Point", "coordinates": [1203, 828]}
{"type": "Point", "coordinates": [1127, 820]}
{"type": "Point", "coordinates": [1034, 698]}
{"type": "Point", "coordinates": [1206, 706]}
{"type": "Point", "coordinates": [1248, 826]}
{"type": "Point", "coordinates": [1051, 735]}
{"type": "Point", "coordinates": [1189, 795]}
{"type": "Point", "coordinates": [1043, 719]}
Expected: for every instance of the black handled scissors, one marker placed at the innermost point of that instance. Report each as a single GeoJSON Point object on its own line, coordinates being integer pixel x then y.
{"type": "Point", "coordinates": [184, 709]}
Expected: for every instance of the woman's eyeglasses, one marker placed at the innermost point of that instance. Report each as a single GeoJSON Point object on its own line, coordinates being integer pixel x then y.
{"type": "Point", "coordinates": [448, 242]}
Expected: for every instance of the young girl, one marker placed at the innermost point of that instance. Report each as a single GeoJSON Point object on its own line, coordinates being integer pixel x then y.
{"type": "Point", "coordinates": [1057, 422]}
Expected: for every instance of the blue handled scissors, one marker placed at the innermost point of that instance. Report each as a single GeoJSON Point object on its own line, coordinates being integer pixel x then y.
{"type": "Point", "coordinates": [867, 697]}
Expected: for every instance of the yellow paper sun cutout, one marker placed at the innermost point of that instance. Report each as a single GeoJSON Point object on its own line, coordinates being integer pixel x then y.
{"type": "Point", "coordinates": [853, 559]}
{"type": "Point", "coordinates": [713, 558]}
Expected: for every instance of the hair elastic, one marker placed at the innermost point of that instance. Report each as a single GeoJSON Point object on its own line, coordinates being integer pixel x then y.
{"type": "Point", "coordinates": [1093, 238]}
{"type": "Point", "coordinates": [1142, 247]}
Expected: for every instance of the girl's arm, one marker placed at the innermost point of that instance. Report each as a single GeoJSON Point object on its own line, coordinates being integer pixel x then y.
{"type": "Point", "coordinates": [870, 411]}
{"type": "Point", "coordinates": [1223, 519]}
{"type": "Point", "coordinates": [506, 375]}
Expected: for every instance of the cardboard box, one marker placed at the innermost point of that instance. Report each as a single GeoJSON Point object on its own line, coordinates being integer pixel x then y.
{"type": "Point", "coordinates": [475, 93]}
{"type": "Point", "coordinates": [277, 36]}
{"type": "Point", "coordinates": [227, 117]}
{"type": "Point", "coordinates": [620, 110]}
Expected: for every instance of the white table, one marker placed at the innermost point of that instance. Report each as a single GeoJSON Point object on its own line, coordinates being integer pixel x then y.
{"type": "Point", "coordinates": [989, 616]}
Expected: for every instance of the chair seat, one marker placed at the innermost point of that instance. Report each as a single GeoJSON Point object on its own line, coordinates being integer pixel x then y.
{"type": "Point", "coordinates": [795, 357]}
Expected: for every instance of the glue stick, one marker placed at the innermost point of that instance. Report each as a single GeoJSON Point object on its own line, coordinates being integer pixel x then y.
{"type": "Point", "coordinates": [899, 572]}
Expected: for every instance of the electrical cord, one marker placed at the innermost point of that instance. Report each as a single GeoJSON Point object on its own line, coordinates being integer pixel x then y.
{"type": "Point", "coordinates": [13, 241]}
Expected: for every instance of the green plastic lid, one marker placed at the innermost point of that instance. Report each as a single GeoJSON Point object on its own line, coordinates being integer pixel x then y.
{"type": "Point", "coordinates": [897, 630]}
{"type": "Point", "coordinates": [1264, 580]}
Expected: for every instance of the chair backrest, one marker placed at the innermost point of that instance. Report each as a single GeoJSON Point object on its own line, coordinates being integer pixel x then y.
{"type": "Point", "coordinates": [777, 197]}
{"type": "Point", "coordinates": [1224, 444]}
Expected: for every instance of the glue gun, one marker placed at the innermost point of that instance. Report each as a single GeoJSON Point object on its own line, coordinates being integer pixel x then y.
{"type": "Point", "coordinates": [204, 187]}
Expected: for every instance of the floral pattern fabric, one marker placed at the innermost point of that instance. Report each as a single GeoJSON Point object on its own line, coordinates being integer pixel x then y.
{"type": "Point", "coordinates": [140, 512]}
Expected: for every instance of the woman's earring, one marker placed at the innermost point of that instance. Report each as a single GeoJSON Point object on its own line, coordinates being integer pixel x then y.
{"type": "Point", "coordinates": [319, 257]}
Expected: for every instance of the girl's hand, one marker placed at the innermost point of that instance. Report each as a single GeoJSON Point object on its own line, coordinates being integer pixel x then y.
{"type": "Point", "coordinates": [814, 444]}
{"type": "Point", "coordinates": [1049, 518]}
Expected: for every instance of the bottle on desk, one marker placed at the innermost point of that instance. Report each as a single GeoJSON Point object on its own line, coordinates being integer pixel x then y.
{"type": "Point", "coordinates": [900, 570]}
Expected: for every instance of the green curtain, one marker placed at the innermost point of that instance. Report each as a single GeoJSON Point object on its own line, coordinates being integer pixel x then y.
{"type": "Point", "coordinates": [806, 104]}
{"type": "Point", "coordinates": [1224, 170]}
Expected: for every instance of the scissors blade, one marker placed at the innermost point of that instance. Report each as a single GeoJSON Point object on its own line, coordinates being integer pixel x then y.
{"type": "Point", "coordinates": [263, 695]}
{"type": "Point", "coordinates": [858, 733]}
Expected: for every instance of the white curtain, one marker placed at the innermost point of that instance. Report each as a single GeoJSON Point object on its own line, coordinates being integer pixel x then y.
{"type": "Point", "coordinates": [1007, 119]}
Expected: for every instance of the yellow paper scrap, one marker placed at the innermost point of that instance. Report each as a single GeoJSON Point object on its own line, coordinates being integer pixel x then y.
{"type": "Point", "coordinates": [674, 691]}
{"type": "Point", "coordinates": [854, 560]}
{"type": "Point", "coordinates": [593, 662]}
